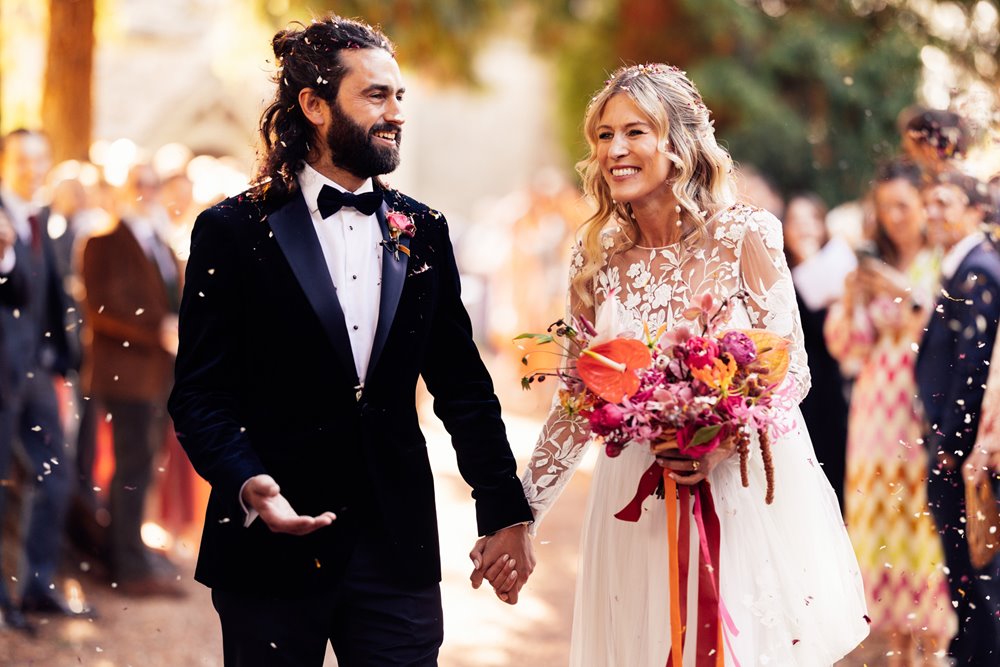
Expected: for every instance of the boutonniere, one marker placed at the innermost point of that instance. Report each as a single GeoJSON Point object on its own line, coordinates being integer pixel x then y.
{"type": "Point", "coordinates": [400, 224]}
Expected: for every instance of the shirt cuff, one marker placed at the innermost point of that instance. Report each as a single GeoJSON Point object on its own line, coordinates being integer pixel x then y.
{"type": "Point", "coordinates": [249, 515]}
{"type": "Point", "coordinates": [519, 523]}
{"type": "Point", "coordinates": [7, 261]}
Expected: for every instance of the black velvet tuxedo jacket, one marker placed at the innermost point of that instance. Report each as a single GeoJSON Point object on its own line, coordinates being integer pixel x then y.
{"type": "Point", "coordinates": [265, 382]}
{"type": "Point", "coordinates": [953, 362]}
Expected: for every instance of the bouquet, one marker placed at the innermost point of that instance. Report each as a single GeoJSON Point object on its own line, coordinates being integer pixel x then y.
{"type": "Point", "coordinates": [692, 387]}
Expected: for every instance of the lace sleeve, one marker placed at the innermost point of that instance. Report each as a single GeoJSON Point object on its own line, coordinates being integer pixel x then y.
{"type": "Point", "coordinates": [765, 276]}
{"type": "Point", "coordinates": [563, 439]}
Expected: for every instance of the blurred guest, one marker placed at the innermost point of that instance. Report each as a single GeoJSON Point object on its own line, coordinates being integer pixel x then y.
{"type": "Point", "coordinates": [13, 293]}
{"type": "Point", "coordinates": [951, 371]}
{"type": "Point", "coordinates": [935, 139]}
{"type": "Point", "coordinates": [875, 326]}
{"type": "Point", "coordinates": [177, 198]}
{"type": "Point", "coordinates": [758, 189]}
{"type": "Point", "coordinates": [825, 406]}
{"type": "Point", "coordinates": [993, 214]}
{"type": "Point", "coordinates": [36, 350]}
{"type": "Point", "coordinates": [70, 220]}
{"type": "Point", "coordinates": [131, 279]}
{"type": "Point", "coordinates": [178, 507]}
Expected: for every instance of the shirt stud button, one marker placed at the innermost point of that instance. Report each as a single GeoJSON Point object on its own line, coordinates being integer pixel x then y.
{"type": "Point", "coordinates": [355, 327]}
{"type": "Point", "coordinates": [355, 277]}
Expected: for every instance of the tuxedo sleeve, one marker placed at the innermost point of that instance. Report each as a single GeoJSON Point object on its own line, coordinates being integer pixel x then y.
{"type": "Point", "coordinates": [204, 402]}
{"type": "Point", "coordinates": [465, 402]}
{"type": "Point", "coordinates": [977, 309]}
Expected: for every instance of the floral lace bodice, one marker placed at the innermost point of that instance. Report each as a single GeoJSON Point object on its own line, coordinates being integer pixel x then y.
{"type": "Point", "coordinates": [741, 250]}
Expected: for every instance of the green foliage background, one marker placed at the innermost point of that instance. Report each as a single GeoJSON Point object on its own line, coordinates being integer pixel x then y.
{"type": "Point", "coordinates": [808, 91]}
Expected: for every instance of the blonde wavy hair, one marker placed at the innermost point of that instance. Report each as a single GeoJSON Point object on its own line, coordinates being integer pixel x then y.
{"type": "Point", "coordinates": [701, 174]}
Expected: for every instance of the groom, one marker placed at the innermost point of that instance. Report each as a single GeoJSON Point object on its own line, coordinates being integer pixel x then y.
{"type": "Point", "coordinates": [312, 303]}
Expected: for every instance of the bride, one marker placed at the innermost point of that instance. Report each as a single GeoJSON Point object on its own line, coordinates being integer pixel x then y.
{"type": "Point", "coordinates": [667, 229]}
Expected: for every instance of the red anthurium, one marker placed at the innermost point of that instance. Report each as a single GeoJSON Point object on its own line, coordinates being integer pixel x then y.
{"type": "Point", "coordinates": [609, 369]}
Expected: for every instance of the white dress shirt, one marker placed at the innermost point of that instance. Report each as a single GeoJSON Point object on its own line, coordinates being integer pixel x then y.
{"type": "Point", "coordinates": [18, 211]}
{"type": "Point", "coordinates": [350, 241]}
{"type": "Point", "coordinates": [146, 230]}
{"type": "Point", "coordinates": [954, 257]}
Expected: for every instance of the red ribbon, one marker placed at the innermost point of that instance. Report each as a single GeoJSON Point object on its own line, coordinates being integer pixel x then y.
{"type": "Point", "coordinates": [647, 484]}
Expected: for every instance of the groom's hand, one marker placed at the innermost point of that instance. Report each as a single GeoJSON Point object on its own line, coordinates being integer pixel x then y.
{"type": "Point", "coordinates": [263, 494]}
{"type": "Point", "coordinates": [506, 559]}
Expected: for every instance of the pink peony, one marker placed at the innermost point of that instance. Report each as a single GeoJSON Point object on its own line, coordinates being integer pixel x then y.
{"type": "Point", "coordinates": [606, 419]}
{"type": "Point", "coordinates": [701, 352]}
{"type": "Point", "coordinates": [740, 346]}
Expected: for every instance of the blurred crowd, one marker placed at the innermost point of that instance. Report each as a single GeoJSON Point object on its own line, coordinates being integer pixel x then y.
{"type": "Point", "coordinates": [91, 264]}
{"type": "Point", "coordinates": [900, 433]}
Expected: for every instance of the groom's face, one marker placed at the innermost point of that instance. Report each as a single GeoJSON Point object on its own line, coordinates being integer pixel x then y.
{"type": "Point", "coordinates": [366, 118]}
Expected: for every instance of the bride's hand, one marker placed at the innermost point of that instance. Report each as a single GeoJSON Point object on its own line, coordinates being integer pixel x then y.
{"type": "Point", "coordinates": [689, 471]}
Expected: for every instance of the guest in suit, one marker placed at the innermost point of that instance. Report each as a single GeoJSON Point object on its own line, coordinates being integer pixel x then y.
{"type": "Point", "coordinates": [13, 293]}
{"type": "Point", "coordinates": [952, 369]}
{"type": "Point", "coordinates": [131, 281]}
{"type": "Point", "coordinates": [36, 350]}
{"type": "Point", "coordinates": [312, 304]}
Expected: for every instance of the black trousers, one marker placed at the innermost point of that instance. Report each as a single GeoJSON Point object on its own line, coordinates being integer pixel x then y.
{"type": "Point", "coordinates": [370, 621]}
{"type": "Point", "coordinates": [975, 593]}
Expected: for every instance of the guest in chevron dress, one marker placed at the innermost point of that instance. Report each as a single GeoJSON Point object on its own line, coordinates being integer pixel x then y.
{"type": "Point", "coordinates": [873, 331]}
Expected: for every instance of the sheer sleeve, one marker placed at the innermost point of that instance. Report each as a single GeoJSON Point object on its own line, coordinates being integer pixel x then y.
{"type": "Point", "coordinates": [564, 437]}
{"type": "Point", "coordinates": [765, 276]}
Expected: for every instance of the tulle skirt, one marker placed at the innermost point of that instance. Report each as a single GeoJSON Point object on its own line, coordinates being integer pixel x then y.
{"type": "Point", "coordinates": [788, 574]}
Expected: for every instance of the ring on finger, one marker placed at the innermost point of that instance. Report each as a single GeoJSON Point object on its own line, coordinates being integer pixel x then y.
{"type": "Point", "coordinates": [695, 465]}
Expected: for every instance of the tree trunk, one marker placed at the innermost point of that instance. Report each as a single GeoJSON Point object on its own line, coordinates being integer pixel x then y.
{"type": "Point", "coordinates": [66, 100]}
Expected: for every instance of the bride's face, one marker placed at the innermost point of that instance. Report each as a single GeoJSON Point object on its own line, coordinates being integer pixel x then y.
{"type": "Point", "coordinates": [628, 151]}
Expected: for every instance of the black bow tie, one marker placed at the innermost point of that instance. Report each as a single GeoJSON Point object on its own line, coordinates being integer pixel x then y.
{"type": "Point", "coordinates": [331, 200]}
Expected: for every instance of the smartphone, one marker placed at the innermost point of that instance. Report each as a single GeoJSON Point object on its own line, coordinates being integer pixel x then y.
{"type": "Point", "coordinates": [867, 252]}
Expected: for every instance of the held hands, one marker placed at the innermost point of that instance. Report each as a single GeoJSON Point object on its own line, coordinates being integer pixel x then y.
{"type": "Point", "coordinates": [689, 471]}
{"type": "Point", "coordinates": [506, 559]}
{"type": "Point", "coordinates": [263, 494]}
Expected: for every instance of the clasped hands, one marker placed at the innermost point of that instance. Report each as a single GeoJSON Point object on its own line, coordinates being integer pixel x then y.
{"type": "Point", "coordinates": [505, 559]}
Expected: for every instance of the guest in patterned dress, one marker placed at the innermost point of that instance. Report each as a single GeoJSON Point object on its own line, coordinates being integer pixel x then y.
{"type": "Point", "coordinates": [875, 327]}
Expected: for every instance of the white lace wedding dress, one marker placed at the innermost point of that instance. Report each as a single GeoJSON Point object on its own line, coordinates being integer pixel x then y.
{"type": "Point", "coordinates": [788, 573]}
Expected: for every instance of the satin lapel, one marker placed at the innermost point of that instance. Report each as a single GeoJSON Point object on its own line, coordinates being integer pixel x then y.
{"type": "Point", "coordinates": [293, 229]}
{"type": "Point", "coordinates": [393, 275]}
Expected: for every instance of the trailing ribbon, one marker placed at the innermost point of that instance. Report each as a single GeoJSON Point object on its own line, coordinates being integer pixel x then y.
{"type": "Point", "coordinates": [711, 634]}
{"type": "Point", "coordinates": [647, 484]}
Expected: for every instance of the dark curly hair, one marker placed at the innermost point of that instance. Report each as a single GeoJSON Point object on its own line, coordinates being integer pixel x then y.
{"type": "Point", "coordinates": [307, 56]}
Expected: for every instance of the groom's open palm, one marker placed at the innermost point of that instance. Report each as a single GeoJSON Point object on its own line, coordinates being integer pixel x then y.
{"type": "Point", "coordinates": [263, 494]}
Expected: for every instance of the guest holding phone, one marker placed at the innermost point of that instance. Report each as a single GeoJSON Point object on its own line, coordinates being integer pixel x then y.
{"type": "Point", "coordinates": [875, 328]}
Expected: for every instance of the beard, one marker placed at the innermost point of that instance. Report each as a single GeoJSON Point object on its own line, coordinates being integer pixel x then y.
{"type": "Point", "coordinates": [353, 149]}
